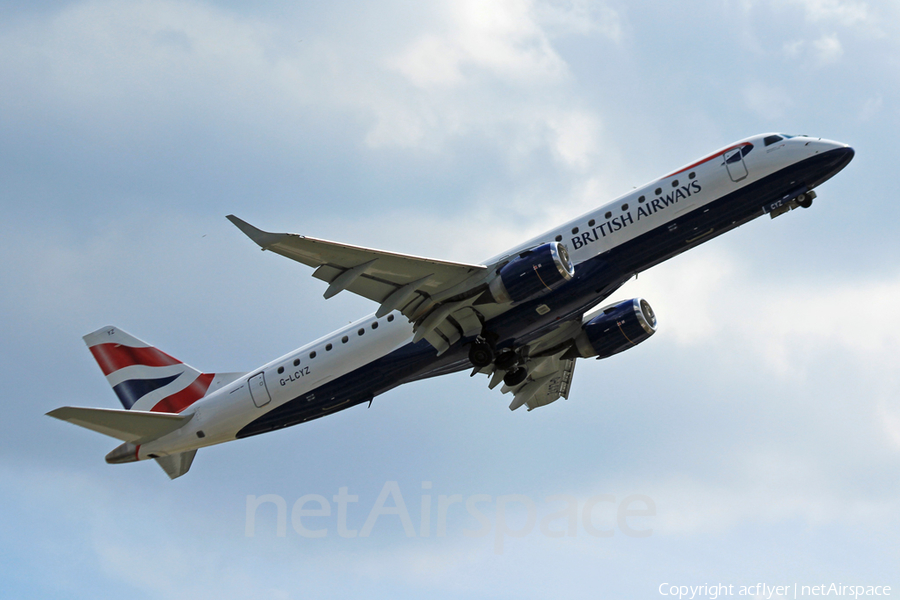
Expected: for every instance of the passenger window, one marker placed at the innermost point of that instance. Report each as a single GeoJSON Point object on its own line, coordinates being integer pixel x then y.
{"type": "Point", "coordinates": [328, 347]}
{"type": "Point", "coordinates": [375, 325]}
{"type": "Point", "coordinates": [591, 223]}
{"type": "Point", "coordinates": [559, 238]}
{"type": "Point", "coordinates": [361, 331]}
{"type": "Point", "coordinates": [574, 230]}
{"type": "Point", "coordinates": [390, 318]}
{"type": "Point", "coordinates": [296, 362]}
{"type": "Point", "coordinates": [312, 354]}
{"type": "Point", "coordinates": [280, 370]}
{"type": "Point", "coordinates": [345, 339]}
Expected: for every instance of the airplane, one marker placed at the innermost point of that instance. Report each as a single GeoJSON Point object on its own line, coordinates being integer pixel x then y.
{"type": "Point", "coordinates": [522, 318]}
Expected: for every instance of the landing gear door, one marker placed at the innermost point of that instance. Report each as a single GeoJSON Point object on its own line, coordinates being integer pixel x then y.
{"type": "Point", "coordinates": [734, 162]}
{"type": "Point", "coordinates": [259, 391]}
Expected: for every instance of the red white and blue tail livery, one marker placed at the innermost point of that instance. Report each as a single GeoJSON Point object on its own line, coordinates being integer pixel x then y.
{"type": "Point", "coordinates": [522, 318]}
{"type": "Point", "coordinates": [146, 380]}
{"type": "Point", "coordinates": [144, 377]}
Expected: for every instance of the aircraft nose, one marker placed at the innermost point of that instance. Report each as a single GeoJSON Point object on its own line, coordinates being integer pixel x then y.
{"type": "Point", "coordinates": [840, 148]}
{"type": "Point", "coordinates": [838, 153]}
{"type": "Point", "coordinates": [829, 161]}
{"type": "Point", "coordinates": [844, 154]}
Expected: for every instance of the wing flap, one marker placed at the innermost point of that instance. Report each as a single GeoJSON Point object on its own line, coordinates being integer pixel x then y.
{"type": "Point", "coordinates": [126, 425]}
{"type": "Point", "coordinates": [542, 389]}
{"type": "Point", "coordinates": [549, 379]}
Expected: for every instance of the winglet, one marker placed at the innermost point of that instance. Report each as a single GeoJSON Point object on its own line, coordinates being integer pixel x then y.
{"type": "Point", "coordinates": [263, 238]}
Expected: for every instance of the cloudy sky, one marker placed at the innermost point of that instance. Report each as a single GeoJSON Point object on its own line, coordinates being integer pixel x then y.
{"type": "Point", "coordinates": [762, 422]}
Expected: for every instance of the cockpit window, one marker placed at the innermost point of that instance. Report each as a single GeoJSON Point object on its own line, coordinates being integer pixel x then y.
{"type": "Point", "coordinates": [771, 139]}
{"type": "Point", "coordinates": [736, 154]}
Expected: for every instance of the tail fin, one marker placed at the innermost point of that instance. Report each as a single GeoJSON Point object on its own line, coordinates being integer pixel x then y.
{"type": "Point", "coordinates": [146, 378]}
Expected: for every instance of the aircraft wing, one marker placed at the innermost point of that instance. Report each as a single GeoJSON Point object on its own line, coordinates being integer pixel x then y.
{"type": "Point", "coordinates": [411, 284]}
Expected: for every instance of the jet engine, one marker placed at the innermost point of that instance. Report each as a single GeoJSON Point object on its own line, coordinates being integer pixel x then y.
{"type": "Point", "coordinates": [618, 327]}
{"type": "Point", "coordinates": [532, 273]}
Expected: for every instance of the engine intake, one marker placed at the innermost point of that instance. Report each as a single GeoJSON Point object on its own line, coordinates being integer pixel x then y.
{"type": "Point", "coordinates": [532, 274]}
{"type": "Point", "coordinates": [618, 327]}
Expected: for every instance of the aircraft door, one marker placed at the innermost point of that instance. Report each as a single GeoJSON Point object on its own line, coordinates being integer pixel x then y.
{"type": "Point", "coordinates": [734, 162]}
{"type": "Point", "coordinates": [258, 390]}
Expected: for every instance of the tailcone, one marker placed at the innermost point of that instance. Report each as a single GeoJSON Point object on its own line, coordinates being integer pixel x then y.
{"type": "Point", "coordinates": [125, 453]}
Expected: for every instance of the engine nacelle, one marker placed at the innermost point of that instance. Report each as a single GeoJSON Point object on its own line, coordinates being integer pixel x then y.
{"type": "Point", "coordinates": [533, 273]}
{"type": "Point", "coordinates": [618, 327]}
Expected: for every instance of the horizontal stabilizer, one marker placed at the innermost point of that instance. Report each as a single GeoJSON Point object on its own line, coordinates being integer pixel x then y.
{"type": "Point", "coordinates": [125, 425]}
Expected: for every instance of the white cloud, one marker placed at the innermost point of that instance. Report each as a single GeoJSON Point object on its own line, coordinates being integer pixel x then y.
{"type": "Point", "coordinates": [819, 53]}
{"type": "Point", "coordinates": [847, 12]}
{"type": "Point", "coordinates": [797, 333]}
{"type": "Point", "coordinates": [889, 414]}
{"type": "Point", "coordinates": [774, 491]}
{"type": "Point", "coordinates": [490, 69]}
{"type": "Point", "coordinates": [576, 137]}
{"type": "Point", "coordinates": [501, 39]}
{"type": "Point", "coordinates": [812, 317]}
{"type": "Point", "coordinates": [794, 48]}
{"type": "Point", "coordinates": [871, 108]}
{"type": "Point", "coordinates": [787, 324]}
{"type": "Point", "coordinates": [149, 78]}
{"type": "Point", "coordinates": [685, 294]}
{"type": "Point", "coordinates": [471, 70]}
{"type": "Point", "coordinates": [828, 49]}
{"type": "Point", "coordinates": [768, 101]}
{"type": "Point", "coordinates": [137, 76]}
{"type": "Point", "coordinates": [582, 17]}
